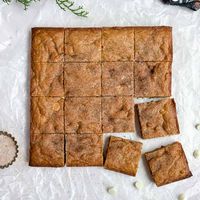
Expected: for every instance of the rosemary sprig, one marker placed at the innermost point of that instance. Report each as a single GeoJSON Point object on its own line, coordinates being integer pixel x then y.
{"type": "Point", "coordinates": [63, 4]}
{"type": "Point", "coordinates": [7, 1]}
{"type": "Point", "coordinates": [26, 3]}
{"type": "Point", "coordinates": [69, 5]}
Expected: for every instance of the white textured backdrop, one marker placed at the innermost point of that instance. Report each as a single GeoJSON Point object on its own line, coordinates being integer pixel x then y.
{"type": "Point", "coordinates": [20, 182]}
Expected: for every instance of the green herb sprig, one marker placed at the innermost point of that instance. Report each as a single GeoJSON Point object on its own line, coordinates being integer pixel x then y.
{"type": "Point", "coordinates": [69, 5]}
{"type": "Point", "coordinates": [63, 4]}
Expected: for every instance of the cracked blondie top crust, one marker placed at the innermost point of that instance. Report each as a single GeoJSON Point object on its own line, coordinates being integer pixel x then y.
{"type": "Point", "coordinates": [118, 44]}
{"type": "Point", "coordinates": [158, 119]}
{"type": "Point", "coordinates": [47, 115]}
{"type": "Point", "coordinates": [84, 150]}
{"type": "Point", "coordinates": [153, 44]}
{"type": "Point", "coordinates": [47, 79]}
{"type": "Point", "coordinates": [83, 115]}
{"type": "Point", "coordinates": [123, 155]}
{"type": "Point", "coordinates": [47, 150]}
{"type": "Point", "coordinates": [47, 45]}
{"type": "Point", "coordinates": [83, 44]}
{"type": "Point", "coordinates": [82, 79]}
{"type": "Point", "coordinates": [168, 164]}
{"type": "Point", "coordinates": [117, 78]}
{"type": "Point", "coordinates": [152, 79]}
{"type": "Point", "coordinates": [118, 114]}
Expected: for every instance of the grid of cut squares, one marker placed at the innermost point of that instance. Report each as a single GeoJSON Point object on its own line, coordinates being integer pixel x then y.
{"type": "Point", "coordinates": [84, 80]}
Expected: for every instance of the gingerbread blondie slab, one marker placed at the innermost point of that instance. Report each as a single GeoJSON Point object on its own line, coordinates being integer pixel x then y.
{"type": "Point", "coordinates": [117, 79]}
{"type": "Point", "coordinates": [47, 45]}
{"type": "Point", "coordinates": [168, 164]}
{"type": "Point", "coordinates": [47, 150]}
{"type": "Point", "coordinates": [47, 115]}
{"type": "Point", "coordinates": [123, 155]}
{"type": "Point", "coordinates": [152, 79]}
{"type": "Point", "coordinates": [158, 118]}
{"type": "Point", "coordinates": [47, 79]}
{"type": "Point", "coordinates": [153, 44]}
{"type": "Point", "coordinates": [84, 150]}
{"type": "Point", "coordinates": [118, 114]}
{"type": "Point", "coordinates": [83, 115]}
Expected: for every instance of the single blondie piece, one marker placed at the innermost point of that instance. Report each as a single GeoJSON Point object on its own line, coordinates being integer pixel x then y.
{"type": "Point", "coordinates": [153, 44]}
{"type": "Point", "coordinates": [83, 115]}
{"type": "Point", "coordinates": [118, 114]}
{"type": "Point", "coordinates": [123, 155]}
{"type": "Point", "coordinates": [152, 79]}
{"type": "Point", "coordinates": [47, 150]}
{"type": "Point", "coordinates": [47, 45]}
{"type": "Point", "coordinates": [84, 150]}
{"type": "Point", "coordinates": [158, 119]}
{"type": "Point", "coordinates": [117, 78]}
{"type": "Point", "coordinates": [168, 164]}
{"type": "Point", "coordinates": [82, 44]}
{"type": "Point", "coordinates": [82, 79]}
{"type": "Point", "coordinates": [47, 115]}
{"type": "Point", "coordinates": [47, 79]}
{"type": "Point", "coordinates": [118, 44]}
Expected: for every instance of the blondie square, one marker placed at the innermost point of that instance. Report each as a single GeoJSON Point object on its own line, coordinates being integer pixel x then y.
{"type": "Point", "coordinates": [47, 115]}
{"type": "Point", "coordinates": [83, 44]}
{"type": "Point", "coordinates": [158, 119]}
{"type": "Point", "coordinates": [152, 79]}
{"type": "Point", "coordinates": [117, 78]}
{"type": "Point", "coordinates": [83, 115]}
{"type": "Point", "coordinates": [82, 79]}
{"type": "Point", "coordinates": [153, 44]}
{"type": "Point", "coordinates": [123, 155]}
{"type": "Point", "coordinates": [168, 164]}
{"type": "Point", "coordinates": [47, 150]}
{"type": "Point", "coordinates": [47, 45]}
{"type": "Point", "coordinates": [47, 79]}
{"type": "Point", "coordinates": [84, 150]}
{"type": "Point", "coordinates": [117, 114]}
{"type": "Point", "coordinates": [118, 44]}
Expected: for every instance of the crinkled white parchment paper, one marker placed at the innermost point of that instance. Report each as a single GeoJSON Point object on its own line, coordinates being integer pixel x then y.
{"type": "Point", "coordinates": [20, 182]}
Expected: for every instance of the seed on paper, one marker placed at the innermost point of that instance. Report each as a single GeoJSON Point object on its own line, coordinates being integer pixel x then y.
{"type": "Point", "coordinates": [181, 197]}
{"type": "Point", "coordinates": [198, 127]}
{"type": "Point", "coordinates": [139, 185]}
{"type": "Point", "coordinates": [112, 190]}
{"type": "Point", "coordinates": [196, 153]}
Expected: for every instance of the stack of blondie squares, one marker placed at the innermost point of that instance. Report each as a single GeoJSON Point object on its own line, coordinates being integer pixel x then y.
{"type": "Point", "coordinates": [83, 85]}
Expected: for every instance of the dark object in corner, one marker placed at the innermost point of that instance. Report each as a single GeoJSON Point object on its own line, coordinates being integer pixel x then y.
{"type": "Point", "coordinates": [192, 4]}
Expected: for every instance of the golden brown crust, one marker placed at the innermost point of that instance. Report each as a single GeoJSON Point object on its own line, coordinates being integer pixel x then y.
{"type": "Point", "coordinates": [47, 79]}
{"type": "Point", "coordinates": [158, 119]}
{"type": "Point", "coordinates": [123, 155]}
{"type": "Point", "coordinates": [47, 45]}
{"type": "Point", "coordinates": [82, 79]}
{"type": "Point", "coordinates": [153, 44]}
{"type": "Point", "coordinates": [168, 164]}
{"type": "Point", "coordinates": [117, 44]}
{"type": "Point", "coordinates": [47, 115]}
{"type": "Point", "coordinates": [82, 44]}
{"type": "Point", "coordinates": [152, 79]}
{"type": "Point", "coordinates": [83, 115]}
{"type": "Point", "coordinates": [117, 114]}
{"type": "Point", "coordinates": [117, 78]}
{"type": "Point", "coordinates": [84, 150]}
{"type": "Point", "coordinates": [47, 150]}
